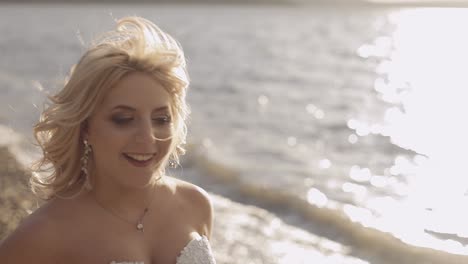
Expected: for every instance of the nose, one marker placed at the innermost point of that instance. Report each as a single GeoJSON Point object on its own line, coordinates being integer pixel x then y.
{"type": "Point", "coordinates": [145, 132]}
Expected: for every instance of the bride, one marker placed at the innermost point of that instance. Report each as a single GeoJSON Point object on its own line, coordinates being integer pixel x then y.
{"type": "Point", "coordinates": [106, 139]}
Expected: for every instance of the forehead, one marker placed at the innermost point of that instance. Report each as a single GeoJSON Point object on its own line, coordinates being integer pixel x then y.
{"type": "Point", "coordinates": [138, 90]}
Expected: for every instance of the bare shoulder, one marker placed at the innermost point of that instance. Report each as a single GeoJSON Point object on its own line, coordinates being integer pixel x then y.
{"type": "Point", "coordinates": [199, 202]}
{"type": "Point", "coordinates": [36, 240]}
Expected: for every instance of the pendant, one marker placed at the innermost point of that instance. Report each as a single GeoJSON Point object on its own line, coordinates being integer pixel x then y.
{"type": "Point", "coordinates": [139, 227]}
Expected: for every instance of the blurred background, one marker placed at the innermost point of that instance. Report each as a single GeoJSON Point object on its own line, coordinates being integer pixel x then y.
{"type": "Point", "coordinates": [326, 131]}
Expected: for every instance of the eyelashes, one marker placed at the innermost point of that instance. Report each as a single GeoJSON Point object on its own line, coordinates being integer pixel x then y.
{"type": "Point", "coordinates": [157, 121]}
{"type": "Point", "coordinates": [121, 120]}
{"type": "Point", "coordinates": [163, 120]}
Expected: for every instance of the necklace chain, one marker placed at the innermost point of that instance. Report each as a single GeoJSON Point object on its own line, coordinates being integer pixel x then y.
{"type": "Point", "coordinates": [139, 223]}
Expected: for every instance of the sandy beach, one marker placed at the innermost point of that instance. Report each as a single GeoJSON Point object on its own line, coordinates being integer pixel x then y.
{"type": "Point", "coordinates": [16, 200]}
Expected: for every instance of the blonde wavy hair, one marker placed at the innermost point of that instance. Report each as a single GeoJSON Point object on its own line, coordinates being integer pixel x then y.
{"type": "Point", "coordinates": [136, 45]}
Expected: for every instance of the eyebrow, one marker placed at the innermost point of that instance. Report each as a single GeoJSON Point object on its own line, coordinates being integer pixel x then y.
{"type": "Point", "coordinates": [126, 107]}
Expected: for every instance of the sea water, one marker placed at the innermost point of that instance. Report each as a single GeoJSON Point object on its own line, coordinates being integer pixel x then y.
{"type": "Point", "coordinates": [345, 122]}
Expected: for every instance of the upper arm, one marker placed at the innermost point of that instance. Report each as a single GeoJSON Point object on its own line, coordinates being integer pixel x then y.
{"type": "Point", "coordinates": [206, 207]}
{"type": "Point", "coordinates": [203, 209]}
{"type": "Point", "coordinates": [31, 242]}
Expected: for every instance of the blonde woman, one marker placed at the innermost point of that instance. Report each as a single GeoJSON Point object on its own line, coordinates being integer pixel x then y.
{"type": "Point", "coordinates": [106, 139]}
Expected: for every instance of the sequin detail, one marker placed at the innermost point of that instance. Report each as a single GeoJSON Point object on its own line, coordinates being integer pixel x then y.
{"type": "Point", "coordinates": [197, 251]}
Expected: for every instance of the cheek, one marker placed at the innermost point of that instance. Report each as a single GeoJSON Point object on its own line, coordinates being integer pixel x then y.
{"type": "Point", "coordinates": [107, 141]}
{"type": "Point", "coordinates": [164, 149]}
{"type": "Point", "coordinates": [166, 146]}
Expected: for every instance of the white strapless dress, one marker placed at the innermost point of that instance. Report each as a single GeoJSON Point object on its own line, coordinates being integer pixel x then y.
{"type": "Point", "coordinates": [197, 251]}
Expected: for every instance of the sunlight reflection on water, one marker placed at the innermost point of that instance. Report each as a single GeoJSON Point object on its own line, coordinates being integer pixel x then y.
{"type": "Point", "coordinates": [423, 74]}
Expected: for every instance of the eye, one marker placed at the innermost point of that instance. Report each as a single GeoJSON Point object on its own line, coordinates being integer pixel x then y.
{"type": "Point", "coordinates": [122, 120]}
{"type": "Point", "coordinates": [162, 120]}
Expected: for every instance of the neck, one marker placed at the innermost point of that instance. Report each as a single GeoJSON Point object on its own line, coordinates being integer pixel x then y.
{"type": "Point", "coordinates": [128, 202]}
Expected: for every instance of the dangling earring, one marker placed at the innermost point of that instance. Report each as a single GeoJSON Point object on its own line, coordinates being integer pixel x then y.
{"type": "Point", "coordinates": [84, 164]}
{"type": "Point", "coordinates": [172, 164]}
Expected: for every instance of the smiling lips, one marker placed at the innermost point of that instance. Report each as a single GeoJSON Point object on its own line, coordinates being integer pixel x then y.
{"type": "Point", "coordinates": [139, 160]}
{"type": "Point", "coordinates": [139, 157]}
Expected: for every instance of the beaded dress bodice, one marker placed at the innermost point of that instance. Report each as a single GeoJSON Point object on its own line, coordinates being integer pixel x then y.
{"type": "Point", "coordinates": [197, 251]}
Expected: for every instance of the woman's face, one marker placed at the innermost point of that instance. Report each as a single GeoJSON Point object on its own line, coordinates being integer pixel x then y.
{"type": "Point", "coordinates": [126, 129]}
